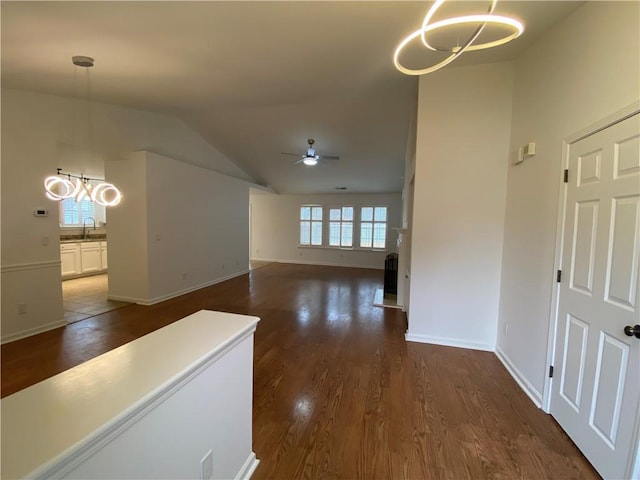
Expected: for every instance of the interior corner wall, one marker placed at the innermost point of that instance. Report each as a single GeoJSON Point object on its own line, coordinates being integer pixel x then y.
{"type": "Point", "coordinates": [128, 231]}
{"type": "Point", "coordinates": [33, 127]}
{"type": "Point", "coordinates": [275, 230]}
{"type": "Point", "coordinates": [404, 240]}
{"type": "Point", "coordinates": [30, 254]}
{"type": "Point", "coordinates": [464, 118]}
{"type": "Point", "coordinates": [180, 228]}
{"type": "Point", "coordinates": [198, 227]}
{"type": "Point", "coordinates": [584, 69]}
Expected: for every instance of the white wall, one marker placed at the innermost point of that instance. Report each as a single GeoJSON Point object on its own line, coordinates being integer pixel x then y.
{"type": "Point", "coordinates": [275, 230]}
{"type": "Point", "coordinates": [404, 238]}
{"type": "Point", "coordinates": [33, 128]}
{"type": "Point", "coordinates": [180, 228]}
{"type": "Point", "coordinates": [464, 117]}
{"type": "Point", "coordinates": [584, 69]}
{"type": "Point", "coordinates": [129, 254]}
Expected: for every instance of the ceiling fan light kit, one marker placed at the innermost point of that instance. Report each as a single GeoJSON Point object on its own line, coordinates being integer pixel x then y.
{"type": "Point", "coordinates": [517, 28]}
{"type": "Point", "coordinates": [310, 158]}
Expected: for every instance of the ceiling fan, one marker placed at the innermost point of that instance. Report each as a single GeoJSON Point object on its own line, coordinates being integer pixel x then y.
{"type": "Point", "coordinates": [310, 157]}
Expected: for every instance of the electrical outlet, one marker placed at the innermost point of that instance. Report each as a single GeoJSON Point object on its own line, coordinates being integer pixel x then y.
{"type": "Point", "coordinates": [223, 266]}
{"type": "Point", "coordinates": [22, 308]}
{"type": "Point", "coordinates": [185, 275]}
{"type": "Point", "coordinates": [206, 466]}
{"type": "Point", "coordinates": [506, 329]}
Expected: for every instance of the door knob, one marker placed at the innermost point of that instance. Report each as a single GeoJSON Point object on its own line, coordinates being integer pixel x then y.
{"type": "Point", "coordinates": [632, 331]}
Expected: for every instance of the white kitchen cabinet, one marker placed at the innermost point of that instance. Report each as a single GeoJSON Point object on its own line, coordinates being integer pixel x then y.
{"type": "Point", "coordinates": [70, 259]}
{"type": "Point", "coordinates": [79, 259]}
{"type": "Point", "coordinates": [103, 255]}
{"type": "Point", "coordinates": [91, 258]}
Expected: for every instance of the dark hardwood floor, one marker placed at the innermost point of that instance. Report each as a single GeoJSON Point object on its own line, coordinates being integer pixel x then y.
{"type": "Point", "coordinates": [338, 392]}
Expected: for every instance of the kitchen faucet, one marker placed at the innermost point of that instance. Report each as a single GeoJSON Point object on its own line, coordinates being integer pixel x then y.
{"type": "Point", "coordinates": [84, 226]}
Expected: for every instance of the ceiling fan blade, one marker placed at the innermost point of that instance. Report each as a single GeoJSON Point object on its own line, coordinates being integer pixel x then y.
{"type": "Point", "coordinates": [329, 157]}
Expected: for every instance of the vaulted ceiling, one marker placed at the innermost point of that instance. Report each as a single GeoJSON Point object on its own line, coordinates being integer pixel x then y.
{"type": "Point", "coordinates": [255, 78]}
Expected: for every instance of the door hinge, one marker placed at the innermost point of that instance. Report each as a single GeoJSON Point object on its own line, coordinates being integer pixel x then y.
{"type": "Point", "coordinates": [559, 276]}
{"type": "Point", "coordinates": [550, 371]}
{"type": "Point", "coordinates": [566, 176]}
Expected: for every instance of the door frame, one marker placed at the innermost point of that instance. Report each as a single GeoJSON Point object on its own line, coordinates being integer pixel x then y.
{"type": "Point", "coordinates": [602, 124]}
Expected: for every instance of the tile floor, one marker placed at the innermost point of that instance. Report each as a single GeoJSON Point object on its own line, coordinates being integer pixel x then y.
{"type": "Point", "coordinates": [86, 297]}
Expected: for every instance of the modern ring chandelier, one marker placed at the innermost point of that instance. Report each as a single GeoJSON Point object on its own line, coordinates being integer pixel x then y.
{"type": "Point", "coordinates": [58, 188]}
{"type": "Point", "coordinates": [427, 27]}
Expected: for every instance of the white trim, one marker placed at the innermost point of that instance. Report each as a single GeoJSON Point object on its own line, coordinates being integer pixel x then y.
{"type": "Point", "coordinates": [616, 117]}
{"type": "Point", "coordinates": [449, 342]}
{"type": "Point", "coordinates": [32, 331]}
{"type": "Point", "coordinates": [19, 267]}
{"type": "Point", "coordinates": [634, 461]}
{"type": "Point", "coordinates": [609, 120]}
{"type": "Point", "coordinates": [555, 291]}
{"type": "Point", "coordinates": [152, 301]}
{"type": "Point", "coordinates": [329, 264]}
{"type": "Point", "coordinates": [320, 264]}
{"type": "Point", "coordinates": [248, 468]}
{"type": "Point", "coordinates": [261, 259]}
{"type": "Point", "coordinates": [73, 276]}
{"type": "Point", "coordinates": [345, 249]}
{"type": "Point", "coordinates": [529, 389]}
{"type": "Point", "coordinates": [60, 466]}
{"type": "Point", "coordinates": [635, 473]}
{"type": "Point", "coordinates": [606, 122]}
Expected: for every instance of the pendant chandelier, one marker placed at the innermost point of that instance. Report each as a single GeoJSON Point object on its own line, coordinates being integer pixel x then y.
{"type": "Point", "coordinates": [516, 28]}
{"type": "Point", "coordinates": [80, 187]}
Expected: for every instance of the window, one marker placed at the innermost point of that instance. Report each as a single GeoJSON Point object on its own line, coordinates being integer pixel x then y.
{"type": "Point", "coordinates": [73, 213]}
{"type": "Point", "coordinates": [373, 227]}
{"type": "Point", "coordinates": [341, 227]}
{"type": "Point", "coordinates": [310, 225]}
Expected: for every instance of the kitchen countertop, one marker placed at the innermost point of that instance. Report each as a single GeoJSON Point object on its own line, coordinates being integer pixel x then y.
{"type": "Point", "coordinates": [80, 238]}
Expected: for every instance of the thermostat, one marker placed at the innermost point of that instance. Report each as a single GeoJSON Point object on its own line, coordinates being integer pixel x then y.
{"type": "Point", "coordinates": [41, 213]}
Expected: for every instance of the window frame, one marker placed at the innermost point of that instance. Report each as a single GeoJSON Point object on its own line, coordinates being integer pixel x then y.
{"type": "Point", "coordinates": [95, 212]}
{"type": "Point", "coordinates": [342, 222]}
{"type": "Point", "coordinates": [356, 227]}
{"type": "Point", "coordinates": [373, 223]}
{"type": "Point", "coordinates": [311, 222]}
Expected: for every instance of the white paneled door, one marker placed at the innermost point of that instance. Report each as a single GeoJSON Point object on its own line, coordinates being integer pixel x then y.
{"type": "Point", "coordinates": [596, 388]}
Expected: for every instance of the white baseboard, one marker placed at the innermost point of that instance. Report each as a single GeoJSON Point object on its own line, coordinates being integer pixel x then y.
{"type": "Point", "coordinates": [152, 301]}
{"type": "Point", "coordinates": [321, 264]}
{"type": "Point", "coordinates": [449, 342]}
{"type": "Point", "coordinates": [530, 390]}
{"type": "Point", "coordinates": [248, 468]}
{"type": "Point", "coordinates": [257, 259]}
{"type": "Point", "coordinates": [32, 331]}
